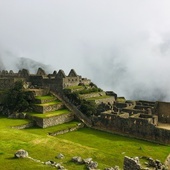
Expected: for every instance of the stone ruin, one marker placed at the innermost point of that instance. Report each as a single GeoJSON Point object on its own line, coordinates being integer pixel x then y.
{"type": "Point", "coordinates": [58, 79]}
{"type": "Point", "coordinates": [143, 119]}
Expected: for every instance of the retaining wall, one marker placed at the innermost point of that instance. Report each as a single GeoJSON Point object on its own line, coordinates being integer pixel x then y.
{"type": "Point", "coordinates": [138, 127]}
{"type": "Point", "coordinates": [49, 108]}
{"type": "Point", "coordinates": [52, 121]}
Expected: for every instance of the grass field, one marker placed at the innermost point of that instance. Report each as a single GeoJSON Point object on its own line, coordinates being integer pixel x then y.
{"type": "Point", "coordinates": [107, 149]}
{"type": "Point", "coordinates": [50, 114]}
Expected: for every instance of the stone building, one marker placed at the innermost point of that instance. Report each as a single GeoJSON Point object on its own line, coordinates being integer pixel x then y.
{"type": "Point", "coordinates": [58, 80]}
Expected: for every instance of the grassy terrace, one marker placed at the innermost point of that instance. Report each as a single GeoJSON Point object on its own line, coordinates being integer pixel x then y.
{"type": "Point", "coordinates": [75, 87]}
{"type": "Point", "coordinates": [100, 97]}
{"type": "Point", "coordinates": [121, 100]}
{"type": "Point", "coordinates": [45, 97]}
{"type": "Point", "coordinates": [107, 149]}
{"type": "Point", "coordinates": [49, 103]}
{"type": "Point", "coordinates": [50, 114]}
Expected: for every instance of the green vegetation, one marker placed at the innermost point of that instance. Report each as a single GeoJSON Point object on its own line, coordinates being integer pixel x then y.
{"type": "Point", "coordinates": [49, 103]}
{"type": "Point", "coordinates": [17, 99]}
{"type": "Point", "coordinates": [121, 100]}
{"type": "Point", "coordinates": [44, 97]}
{"type": "Point", "coordinates": [97, 98]}
{"type": "Point", "coordinates": [107, 149]}
{"type": "Point", "coordinates": [86, 106]}
{"type": "Point", "coordinates": [49, 114]}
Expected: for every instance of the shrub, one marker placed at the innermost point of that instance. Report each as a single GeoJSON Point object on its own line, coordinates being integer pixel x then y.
{"type": "Point", "coordinates": [17, 99]}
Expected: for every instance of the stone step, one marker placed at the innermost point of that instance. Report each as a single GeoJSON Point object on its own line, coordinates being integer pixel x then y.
{"type": "Point", "coordinates": [39, 92]}
{"type": "Point", "coordinates": [44, 99]}
{"type": "Point", "coordinates": [51, 118]}
{"type": "Point", "coordinates": [48, 107]}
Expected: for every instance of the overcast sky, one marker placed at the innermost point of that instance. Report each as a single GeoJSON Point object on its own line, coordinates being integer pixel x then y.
{"type": "Point", "coordinates": [121, 45]}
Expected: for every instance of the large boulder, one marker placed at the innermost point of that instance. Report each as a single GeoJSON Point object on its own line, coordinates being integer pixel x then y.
{"type": "Point", "coordinates": [21, 154]}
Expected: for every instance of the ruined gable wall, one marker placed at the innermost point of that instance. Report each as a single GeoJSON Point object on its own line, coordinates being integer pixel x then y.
{"type": "Point", "coordinates": [71, 81]}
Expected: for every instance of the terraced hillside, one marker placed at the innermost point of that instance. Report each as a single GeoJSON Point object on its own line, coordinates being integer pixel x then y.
{"type": "Point", "coordinates": [49, 111]}
{"type": "Point", "coordinates": [89, 98]}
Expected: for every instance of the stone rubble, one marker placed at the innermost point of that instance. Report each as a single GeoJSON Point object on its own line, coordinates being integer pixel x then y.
{"type": "Point", "coordinates": [129, 163]}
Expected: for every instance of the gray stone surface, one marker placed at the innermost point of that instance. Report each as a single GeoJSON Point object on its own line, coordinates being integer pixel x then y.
{"type": "Point", "coordinates": [131, 163]}
{"type": "Point", "coordinates": [21, 154]}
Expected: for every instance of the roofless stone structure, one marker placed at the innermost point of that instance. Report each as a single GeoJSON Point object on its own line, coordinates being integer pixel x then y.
{"type": "Point", "coordinates": [143, 119]}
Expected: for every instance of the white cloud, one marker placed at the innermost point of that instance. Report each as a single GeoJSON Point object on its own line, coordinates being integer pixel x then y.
{"type": "Point", "coordinates": [121, 45]}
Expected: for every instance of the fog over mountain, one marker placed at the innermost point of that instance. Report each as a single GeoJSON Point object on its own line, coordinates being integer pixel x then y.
{"type": "Point", "coordinates": [121, 45]}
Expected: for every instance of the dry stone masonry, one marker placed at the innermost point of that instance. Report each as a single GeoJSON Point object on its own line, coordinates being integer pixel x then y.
{"type": "Point", "coordinates": [124, 116]}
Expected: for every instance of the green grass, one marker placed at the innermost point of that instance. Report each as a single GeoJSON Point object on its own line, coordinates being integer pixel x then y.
{"type": "Point", "coordinates": [97, 98]}
{"type": "Point", "coordinates": [107, 149]}
{"type": "Point", "coordinates": [49, 103]}
{"type": "Point", "coordinates": [75, 87]}
{"type": "Point", "coordinates": [44, 132]}
{"type": "Point", "coordinates": [44, 97]}
{"type": "Point", "coordinates": [121, 100]}
{"type": "Point", "coordinates": [50, 114]}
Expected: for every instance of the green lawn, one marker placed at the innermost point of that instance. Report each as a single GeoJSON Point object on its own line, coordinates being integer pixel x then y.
{"type": "Point", "coordinates": [50, 114]}
{"type": "Point", "coordinates": [49, 103]}
{"type": "Point", "coordinates": [44, 97]}
{"type": "Point", "coordinates": [107, 149]}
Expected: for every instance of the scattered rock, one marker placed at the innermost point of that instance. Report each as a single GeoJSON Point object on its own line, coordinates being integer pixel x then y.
{"type": "Point", "coordinates": [87, 160]}
{"type": "Point", "coordinates": [60, 156]}
{"type": "Point", "coordinates": [77, 159]}
{"type": "Point", "coordinates": [131, 163]}
{"type": "Point", "coordinates": [92, 165]}
{"type": "Point", "coordinates": [113, 168]}
{"type": "Point", "coordinates": [21, 154]}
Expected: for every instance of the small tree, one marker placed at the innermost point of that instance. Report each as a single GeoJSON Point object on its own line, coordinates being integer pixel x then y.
{"type": "Point", "coordinates": [17, 99]}
{"type": "Point", "coordinates": [88, 108]}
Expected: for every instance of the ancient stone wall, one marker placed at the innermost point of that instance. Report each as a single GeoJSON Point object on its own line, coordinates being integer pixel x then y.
{"type": "Point", "coordinates": [52, 121]}
{"type": "Point", "coordinates": [71, 81]}
{"type": "Point", "coordinates": [90, 95]}
{"type": "Point", "coordinates": [163, 111]}
{"type": "Point", "coordinates": [6, 83]}
{"type": "Point", "coordinates": [139, 127]}
{"type": "Point", "coordinates": [105, 100]}
{"type": "Point", "coordinates": [85, 81]}
{"type": "Point", "coordinates": [41, 79]}
{"type": "Point", "coordinates": [28, 125]}
{"type": "Point", "coordinates": [48, 108]}
{"type": "Point", "coordinates": [40, 92]}
{"type": "Point", "coordinates": [36, 80]}
{"type": "Point", "coordinates": [59, 132]}
{"type": "Point", "coordinates": [38, 101]}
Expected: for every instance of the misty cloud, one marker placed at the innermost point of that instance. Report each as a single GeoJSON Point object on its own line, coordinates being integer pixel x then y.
{"type": "Point", "coordinates": [122, 45]}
